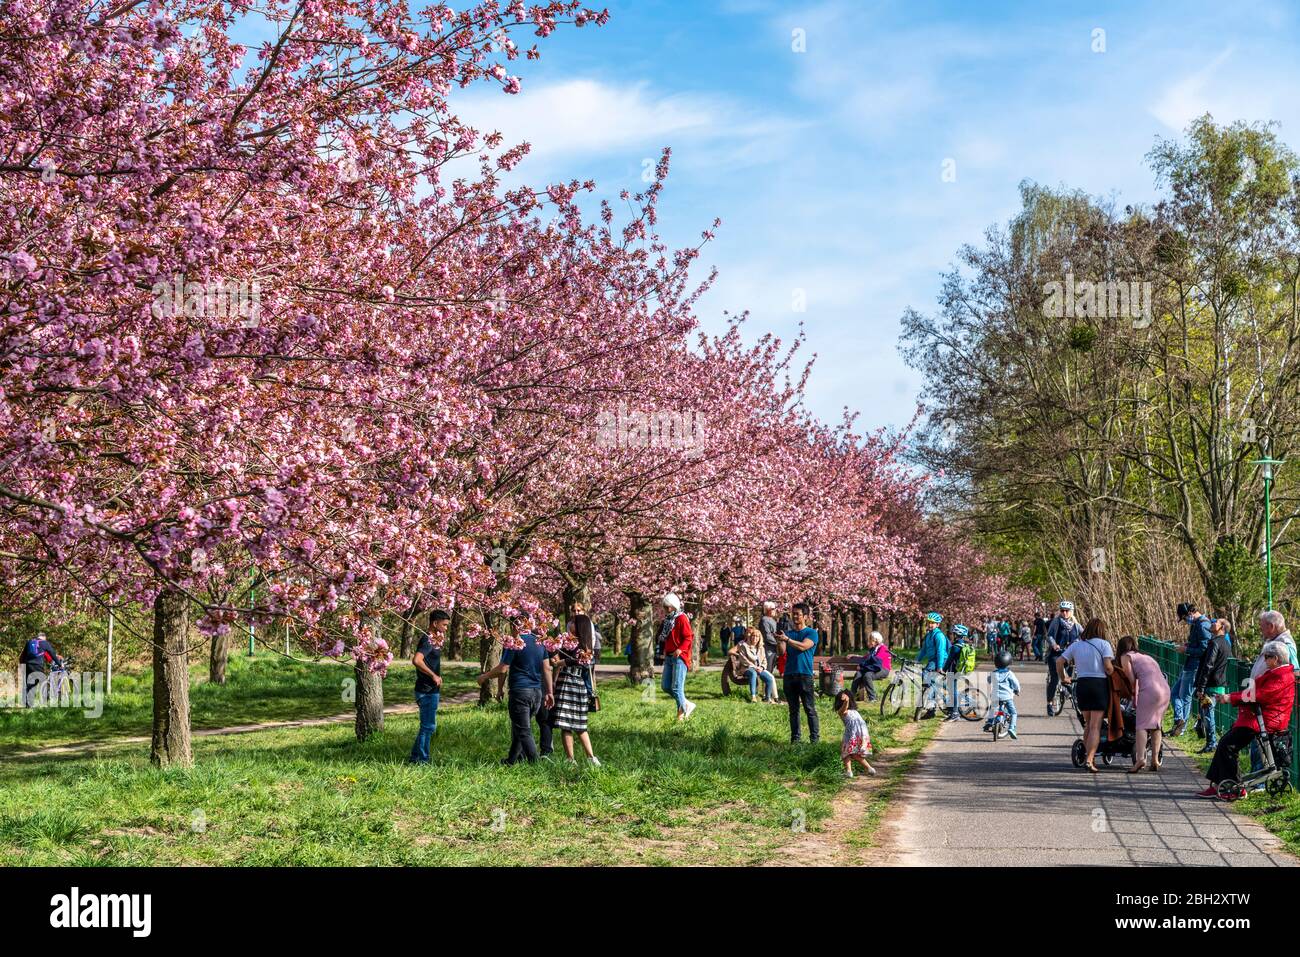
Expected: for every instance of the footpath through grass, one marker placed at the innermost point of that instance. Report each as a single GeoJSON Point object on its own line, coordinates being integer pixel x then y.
{"type": "Point", "coordinates": [267, 687]}
{"type": "Point", "coordinates": [1280, 815]}
{"type": "Point", "coordinates": [723, 788]}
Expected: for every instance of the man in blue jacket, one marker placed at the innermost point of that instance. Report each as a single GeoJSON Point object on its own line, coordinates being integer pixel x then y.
{"type": "Point", "coordinates": [1062, 630]}
{"type": "Point", "coordinates": [1198, 639]}
{"type": "Point", "coordinates": [932, 657]}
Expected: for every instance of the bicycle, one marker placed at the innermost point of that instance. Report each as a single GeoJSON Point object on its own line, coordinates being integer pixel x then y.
{"type": "Point", "coordinates": [1000, 725]}
{"type": "Point", "coordinates": [1064, 693]}
{"type": "Point", "coordinates": [931, 693]}
{"type": "Point", "coordinates": [58, 680]}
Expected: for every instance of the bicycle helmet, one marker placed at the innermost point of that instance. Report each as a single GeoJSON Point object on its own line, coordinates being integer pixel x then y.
{"type": "Point", "coordinates": [934, 617]}
{"type": "Point", "coordinates": [1003, 659]}
{"type": "Point", "coordinates": [961, 631]}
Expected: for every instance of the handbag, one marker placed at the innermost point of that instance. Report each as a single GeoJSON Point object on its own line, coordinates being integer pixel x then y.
{"type": "Point", "coordinates": [593, 699]}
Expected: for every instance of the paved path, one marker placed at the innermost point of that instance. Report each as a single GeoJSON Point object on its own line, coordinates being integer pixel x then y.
{"type": "Point", "coordinates": [972, 802]}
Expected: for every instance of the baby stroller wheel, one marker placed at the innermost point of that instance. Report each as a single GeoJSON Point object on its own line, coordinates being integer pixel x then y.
{"type": "Point", "coordinates": [1228, 788]}
{"type": "Point", "coordinates": [1106, 757]}
{"type": "Point", "coordinates": [1077, 753]}
{"type": "Point", "coordinates": [1279, 785]}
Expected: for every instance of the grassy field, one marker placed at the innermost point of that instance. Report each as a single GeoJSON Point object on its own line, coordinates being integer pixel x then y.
{"type": "Point", "coordinates": [724, 788]}
{"type": "Point", "coordinates": [1281, 815]}
{"type": "Point", "coordinates": [267, 687]}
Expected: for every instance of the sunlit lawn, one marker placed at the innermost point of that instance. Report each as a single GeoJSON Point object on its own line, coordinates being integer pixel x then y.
{"type": "Point", "coordinates": [722, 788]}
{"type": "Point", "coordinates": [267, 687]}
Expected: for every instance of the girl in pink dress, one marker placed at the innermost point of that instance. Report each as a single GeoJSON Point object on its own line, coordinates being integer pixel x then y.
{"type": "Point", "coordinates": [1152, 700]}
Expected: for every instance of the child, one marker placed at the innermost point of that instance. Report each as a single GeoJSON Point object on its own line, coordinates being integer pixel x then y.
{"type": "Point", "coordinates": [1003, 687]}
{"type": "Point", "coordinates": [856, 744]}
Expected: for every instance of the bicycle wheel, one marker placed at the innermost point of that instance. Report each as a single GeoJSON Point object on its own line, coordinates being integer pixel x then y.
{"type": "Point", "coordinates": [972, 704]}
{"type": "Point", "coordinates": [891, 702]}
{"type": "Point", "coordinates": [1061, 697]}
{"type": "Point", "coordinates": [1279, 785]}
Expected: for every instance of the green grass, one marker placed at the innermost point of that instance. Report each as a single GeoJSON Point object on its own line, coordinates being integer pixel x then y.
{"type": "Point", "coordinates": [723, 788]}
{"type": "Point", "coordinates": [865, 835]}
{"type": "Point", "coordinates": [1280, 815]}
{"type": "Point", "coordinates": [267, 687]}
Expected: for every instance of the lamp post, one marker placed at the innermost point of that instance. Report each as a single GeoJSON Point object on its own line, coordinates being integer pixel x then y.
{"type": "Point", "coordinates": [1267, 463]}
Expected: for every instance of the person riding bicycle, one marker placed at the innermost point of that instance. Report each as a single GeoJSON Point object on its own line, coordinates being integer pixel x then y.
{"type": "Point", "coordinates": [933, 655]}
{"type": "Point", "coordinates": [1003, 688]}
{"type": "Point", "coordinates": [1062, 630]}
{"type": "Point", "coordinates": [961, 661]}
{"type": "Point", "coordinates": [36, 658]}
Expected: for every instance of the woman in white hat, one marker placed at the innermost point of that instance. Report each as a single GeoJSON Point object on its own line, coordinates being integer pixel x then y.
{"type": "Point", "coordinates": [677, 638]}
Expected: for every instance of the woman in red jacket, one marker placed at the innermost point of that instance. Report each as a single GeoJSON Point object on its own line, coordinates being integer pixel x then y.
{"type": "Point", "coordinates": [1273, 692]}
{"type": "Point", "coordinates": [678, 640]}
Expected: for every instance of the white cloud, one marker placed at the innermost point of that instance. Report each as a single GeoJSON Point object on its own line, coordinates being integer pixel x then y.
{"type": "Point", "coordinates": [1188, 98]}
{"type": "Point", "coordinates": [585, 116]}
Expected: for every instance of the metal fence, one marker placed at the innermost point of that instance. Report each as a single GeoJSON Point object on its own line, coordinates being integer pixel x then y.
{"type": "Point", "coordinates": [1171, 661]}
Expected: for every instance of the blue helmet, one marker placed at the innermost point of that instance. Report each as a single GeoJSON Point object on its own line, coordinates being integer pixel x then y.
{"type": "Point", "coordinates": [961, 631]}
{"type": "Point", "coordinates": [934, 617]}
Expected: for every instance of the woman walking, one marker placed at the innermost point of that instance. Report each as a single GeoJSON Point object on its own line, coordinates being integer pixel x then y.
{"type": "Point", "coordinates": [1092, 657]}
{"type": "Point", "coordinates": [677, 639]}
{"type": "Point", "coordinates": [1151, 696]}
{"type": "Point", "coordinates": [572, 700]}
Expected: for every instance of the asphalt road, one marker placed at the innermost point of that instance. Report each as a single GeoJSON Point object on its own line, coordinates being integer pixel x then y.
{"type": "Point", "coordinates": [970, 801]}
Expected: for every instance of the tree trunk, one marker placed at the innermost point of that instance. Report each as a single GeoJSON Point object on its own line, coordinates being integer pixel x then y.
{"type": "Point", "coordinates": [489, 656]}
{"type": "Point", "coordinates": [171, 681]}
{"type": "Point", "coordinates": [370, 702]}
{"type": "Point", "coordinates": [456, 636]}
{"type": "Point", "coordinates": [218, 658]}
{"type": "Point", "coordinates": [697, 609]}
{"type": "Point", "coordinates": [580, 592]}
{"type": "Point", "coordinates": [408, 628]}
{"type": "Point", "coordinates": [642, 668]}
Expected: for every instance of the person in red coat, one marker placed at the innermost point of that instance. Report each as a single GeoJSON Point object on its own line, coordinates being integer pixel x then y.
{"type": "Point", "coordinates": [1273, 693]}
{"type": "Point", "coordinates": [678, 641]}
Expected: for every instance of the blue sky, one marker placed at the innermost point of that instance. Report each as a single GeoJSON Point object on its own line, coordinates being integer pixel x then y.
{"type": "Point", "coordinates": [826, 166]}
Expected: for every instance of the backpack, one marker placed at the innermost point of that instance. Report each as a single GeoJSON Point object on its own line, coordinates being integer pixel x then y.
{"type": "Point", "coordinates": [966, 661]}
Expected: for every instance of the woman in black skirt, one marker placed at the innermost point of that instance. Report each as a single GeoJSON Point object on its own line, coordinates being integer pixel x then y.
{"type": "Point", "coordinates": [571, 696]}
{"type": "Point", "coordinates": [1092, 657]}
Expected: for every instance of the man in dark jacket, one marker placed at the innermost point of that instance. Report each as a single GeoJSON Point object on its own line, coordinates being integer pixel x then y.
{"type": "Point", "coordinates": [1211, 679]}
{"type": "Point", "coordinates": [1198, 636]}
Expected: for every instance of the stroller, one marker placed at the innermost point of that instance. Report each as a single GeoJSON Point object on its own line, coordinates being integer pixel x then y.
{"type": "Point", "coordinates": [1108, 750]}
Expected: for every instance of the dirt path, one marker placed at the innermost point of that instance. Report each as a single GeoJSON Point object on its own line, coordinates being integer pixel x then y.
{"type": "Point", "coordinates": [839, 839]}
{"type": "Point", "coordinates": [64, 750]}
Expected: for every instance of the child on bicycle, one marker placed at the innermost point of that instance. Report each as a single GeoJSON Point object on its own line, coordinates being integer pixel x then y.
{"type": "Point", "coordinates": [855, 746]}
{"type": "Point", "coordinates": [1003, 688]}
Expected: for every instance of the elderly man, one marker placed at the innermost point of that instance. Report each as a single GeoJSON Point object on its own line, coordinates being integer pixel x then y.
{"type": "Point", "coordinates": [1272, 627]}
{"type": "Point", "coordinates": [767, 625]}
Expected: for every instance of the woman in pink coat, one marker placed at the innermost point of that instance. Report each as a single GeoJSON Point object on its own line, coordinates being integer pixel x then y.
{"type": "Point", "coordinates": [1152, 699]}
